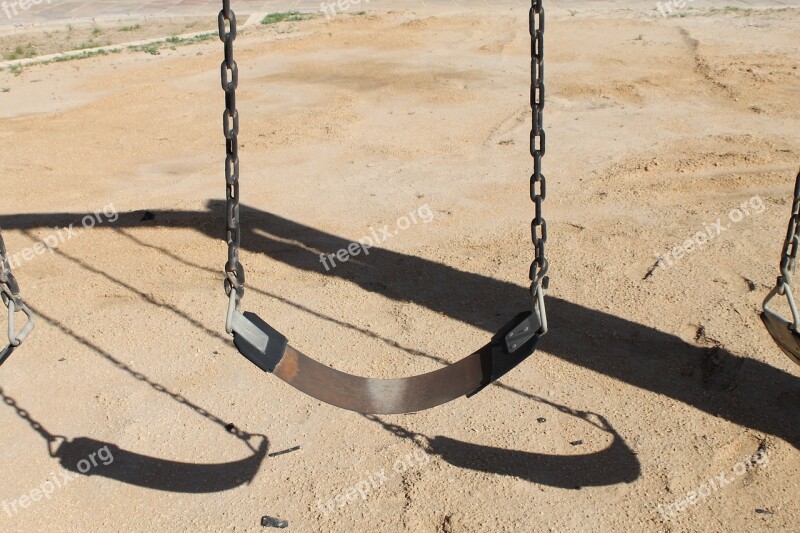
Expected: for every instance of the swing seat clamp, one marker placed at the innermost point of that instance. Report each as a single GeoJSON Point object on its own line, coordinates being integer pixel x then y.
{"type": "Point", "coordinates": [512, 345]}
{"type": "Point", "coordinates": [259, 342]}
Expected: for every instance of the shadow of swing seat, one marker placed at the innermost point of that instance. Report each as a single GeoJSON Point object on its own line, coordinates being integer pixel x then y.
{"type": "Point", "coordinates": [161, 474]}
{"type": "Point", "coordinates": [91, 457]}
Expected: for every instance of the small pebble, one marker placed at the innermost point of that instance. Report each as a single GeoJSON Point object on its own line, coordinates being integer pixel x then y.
{"type": "Point", "coordinates": [541, 420]}
{"type": "Point", "coordinates": [576, 442]}
{"type": "Point", "coordinates": [269, 521]}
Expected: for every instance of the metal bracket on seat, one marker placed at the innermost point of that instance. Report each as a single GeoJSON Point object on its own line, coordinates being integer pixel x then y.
{"type": "Point", "coordinates": [15, 305]}
{"type": "Point", "coordinates": [511, 346]}
{"type": "Point", "coordinates": [263, 345]}
{"type": "Point", "coordinates": [259, 342]}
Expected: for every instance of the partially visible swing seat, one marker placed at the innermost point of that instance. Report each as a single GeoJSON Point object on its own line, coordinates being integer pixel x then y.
{"type": "Point", "coordinates": [269, 349]}
{"type": "Point", "coordinates": [785, 332]}
{"type": "Point", "coordinates": [9, 292]}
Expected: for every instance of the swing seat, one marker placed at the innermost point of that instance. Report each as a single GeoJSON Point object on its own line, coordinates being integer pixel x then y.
{"type": "Point", "coordinates": [270, 351]}
{"type": "Point", "coordinates": [783, 333]}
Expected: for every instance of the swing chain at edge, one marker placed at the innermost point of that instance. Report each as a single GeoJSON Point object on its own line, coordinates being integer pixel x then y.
{"type": "Point", "coordinates": [788, 265]}
{"type": "Point", "coordinates": [229, 70]}
{"type": "Point", "coordinates": [540, 281]}
{"type": "Point", "coordinates": [10, 295]}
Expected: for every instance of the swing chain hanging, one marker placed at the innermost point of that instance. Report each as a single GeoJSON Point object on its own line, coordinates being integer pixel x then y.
{"type": "Point", "coordinates": [540, 266]}
{"type": "Point", "coordinates": [229, 70]}
{"type": "Point", "coordinates": [9, 292]}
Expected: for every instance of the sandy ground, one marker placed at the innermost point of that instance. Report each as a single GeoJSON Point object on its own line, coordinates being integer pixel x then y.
{"type": "Point", "coordinates": [652, 385]}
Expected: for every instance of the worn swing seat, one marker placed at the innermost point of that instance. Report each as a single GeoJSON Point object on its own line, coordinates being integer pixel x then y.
{"type": "Point", "coordinates": [269, 350]}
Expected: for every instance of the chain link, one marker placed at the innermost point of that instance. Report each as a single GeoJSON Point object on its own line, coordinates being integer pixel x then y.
{"type": "Point", "coordinates": [540, 266]}
{"type": "Point", "coordinates": [229, 70]}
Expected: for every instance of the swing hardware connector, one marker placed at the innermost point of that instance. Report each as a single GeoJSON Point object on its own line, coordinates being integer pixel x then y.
{"type": "Point", "coordinates": [15, 305]}
{"type": "Point", "coordinates": [9, 292]}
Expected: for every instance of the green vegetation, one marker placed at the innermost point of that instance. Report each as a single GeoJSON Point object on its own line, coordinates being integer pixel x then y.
{"type": "Point", "coordinates": [131, 28]}
{"type": "Point", "coordinates": [286, 16]}
{"type": "Point", "coordinates": [740, 10]}
{"type": "Point", "coordinates": [21, 52]}
{"type": "Point", "coordinates": [87, 45]}
{"type": "Point", "coordinates": [191, 40]}
{"type": "Point", "coordinates": [172, 42]}
{"type": "Point", "coordinates": [87, 52]}
{"type": "Point", "coordinates": [84, 55]}
{"type": "Point", "coordinates": [152, 49]}
{"type": "Point", "coordinates": [97, 31]}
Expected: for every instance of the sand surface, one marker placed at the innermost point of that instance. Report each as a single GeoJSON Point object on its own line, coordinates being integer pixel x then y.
{"type": "Point", "coordinates": [652, 381]}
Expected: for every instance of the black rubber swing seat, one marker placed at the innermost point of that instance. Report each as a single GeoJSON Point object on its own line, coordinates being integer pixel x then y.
{"type": "Point", "coordinates": [270, 351]}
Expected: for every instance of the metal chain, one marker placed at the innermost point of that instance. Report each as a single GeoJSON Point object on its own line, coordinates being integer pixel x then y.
{"type": "Point", "coordinates": [8, 284]}
{"type": "Point", "coordinates": [234, 282]}
{"type": "Point", "coordinates": [37, 427]}
{"type": "Point", "coordinates": [792, 243]}
{"type": "Point", "coordinates": [540, 266]}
